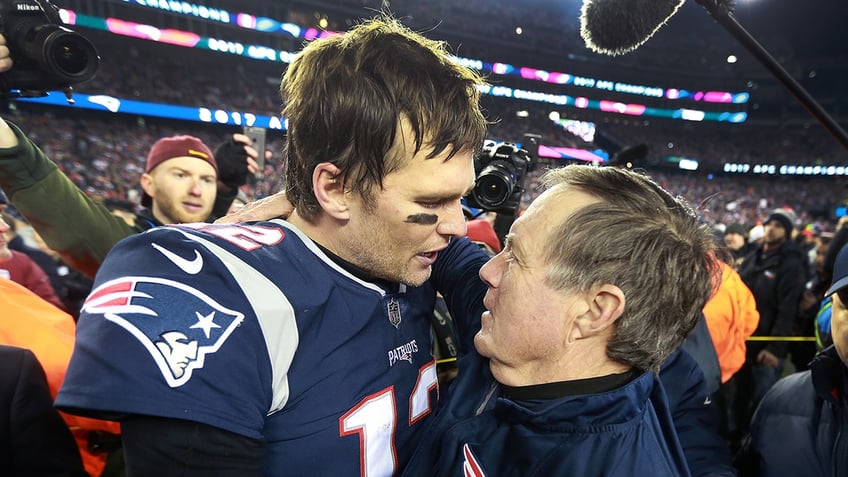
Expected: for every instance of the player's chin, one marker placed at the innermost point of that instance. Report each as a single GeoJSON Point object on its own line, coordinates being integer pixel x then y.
{"type": "Point", "coordinates": [481, 344]}
{"type": "Point", "coordinates": [187, 218]}
{"type": "Point", "coordinates": [416, 276]}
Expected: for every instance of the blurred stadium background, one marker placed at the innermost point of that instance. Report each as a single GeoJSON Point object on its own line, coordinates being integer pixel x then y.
{"type": "Point", "coordinates": [691, 107]}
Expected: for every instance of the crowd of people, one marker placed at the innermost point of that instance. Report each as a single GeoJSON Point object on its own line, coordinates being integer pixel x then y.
{"type": "Point", "coordinates": [303, 343]}
{"type": "Point", "coordinates": [105, 155]}
{"type": "Point", "coordinates": [547, 37]}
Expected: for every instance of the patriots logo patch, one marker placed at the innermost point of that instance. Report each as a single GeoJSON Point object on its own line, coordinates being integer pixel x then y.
{"type": "Point", "coordinates": [177, 324]}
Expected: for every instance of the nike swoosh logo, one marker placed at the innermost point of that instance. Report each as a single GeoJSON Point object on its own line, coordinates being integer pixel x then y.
{"type": "Point", "coordinates": [192, 267]}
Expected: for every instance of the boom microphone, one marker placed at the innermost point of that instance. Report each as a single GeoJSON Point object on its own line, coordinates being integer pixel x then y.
{"type": "Point", "coordinates": [616, 27]}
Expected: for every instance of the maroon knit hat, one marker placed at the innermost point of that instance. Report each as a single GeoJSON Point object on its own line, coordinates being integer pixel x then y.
{"type": "Point", "coordinates": [176, 146]}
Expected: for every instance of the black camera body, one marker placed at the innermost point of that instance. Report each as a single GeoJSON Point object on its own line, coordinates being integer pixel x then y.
{"type": "Point", "coordinates": [46, 54]}
{"type": "Point", "coordinates": [501, 168]}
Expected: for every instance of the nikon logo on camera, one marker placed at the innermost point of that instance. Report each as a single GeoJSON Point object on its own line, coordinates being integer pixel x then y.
{"type": "Point", "coordinates": [27, 7]}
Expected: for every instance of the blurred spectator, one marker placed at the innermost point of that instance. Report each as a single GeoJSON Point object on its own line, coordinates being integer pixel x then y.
{"type": "Point", "coordinates": [798, 427]}
{"type": "Point", "coordinates": [43, 260]}
{"type": "Point", "coordinates": [775, 273]}
{"type": "Point", "coordinates": [732, 317]}
{"type": "Point", "coordinates": [75, 285]}
{"type": "Point", "coordinates": [815, 290]}
{"type": "Point", "coordinates": [807, 241]}
{"type": "Point", "coordinates": [802, 352]}
{"type": "Point", "coordinates": [29, 322]}
{"type": "Point", "coordinates": [34, 441]}
{"type": "Point", "coordinates": [736, 240]}
{"type": "Point", "coordinates": [19, 268]}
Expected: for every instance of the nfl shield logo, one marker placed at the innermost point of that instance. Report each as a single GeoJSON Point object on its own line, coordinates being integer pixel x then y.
{"type": "Point", "coordinates": [394, 312]}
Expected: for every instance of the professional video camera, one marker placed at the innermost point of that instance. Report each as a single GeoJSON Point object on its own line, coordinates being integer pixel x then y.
{"type": "Point", "coordinates": [500, 168]}
{"type": "Point", "coordinates": [46, 54]}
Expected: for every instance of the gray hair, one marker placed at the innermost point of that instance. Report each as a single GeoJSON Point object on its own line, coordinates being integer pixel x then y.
{"type": "Point", "coordinates": [644, 241]}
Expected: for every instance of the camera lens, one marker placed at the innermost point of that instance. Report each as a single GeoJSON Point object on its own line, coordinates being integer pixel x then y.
{"type": "Point", "coordinates": [494, 185]}
{"type": "Point", "coordinates": [70, 55]}
{"type": "Point", "coordinates": [47, 55]}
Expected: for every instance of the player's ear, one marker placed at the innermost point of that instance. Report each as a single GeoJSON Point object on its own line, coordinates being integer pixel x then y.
{"type": "Point", "coordinates": [606, 305]}
{"type": "Point", "coordinates": [328, 183]}
{"type": "Point", "coordinates": [147, 184]}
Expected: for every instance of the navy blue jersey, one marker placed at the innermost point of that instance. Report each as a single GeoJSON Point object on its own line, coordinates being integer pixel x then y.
{"type": "Point", "coordinates": [253, 329]}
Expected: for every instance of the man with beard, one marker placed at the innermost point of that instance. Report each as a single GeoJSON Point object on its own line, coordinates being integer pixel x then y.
{"type": "Point", "coordinates": [181, 184]}
{"type": "Point", "coordinates": [775, 273]}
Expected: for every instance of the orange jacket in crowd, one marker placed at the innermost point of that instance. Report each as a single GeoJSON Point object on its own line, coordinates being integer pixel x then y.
{"type": "Point", "coordinates": [30, 322]}
{"type": "Point", "coordinates": [732, 317]}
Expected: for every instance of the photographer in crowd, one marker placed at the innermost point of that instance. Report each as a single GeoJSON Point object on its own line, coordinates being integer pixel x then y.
{"type": "Point", "coordinates": [180, 185]}
{"type": "Point", "coordinates": [183, 182]}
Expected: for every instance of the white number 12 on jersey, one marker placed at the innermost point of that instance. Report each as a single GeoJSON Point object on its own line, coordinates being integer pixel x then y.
{"type": "Point", "coordinates": [374, 419]}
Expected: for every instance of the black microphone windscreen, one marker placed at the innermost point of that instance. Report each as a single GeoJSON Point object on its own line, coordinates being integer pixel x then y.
{"type": "Point", "coordinates": [616, 27]}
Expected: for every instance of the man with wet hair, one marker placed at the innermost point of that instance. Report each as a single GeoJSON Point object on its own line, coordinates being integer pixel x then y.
{"type": "Point", "coordinates": [299, 347]}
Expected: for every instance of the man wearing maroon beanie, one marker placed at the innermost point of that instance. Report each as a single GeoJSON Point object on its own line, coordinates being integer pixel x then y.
{"type": "Point", "coordinates": [183, 181]}
{"type": "Point", "coordinates": [179, 180]}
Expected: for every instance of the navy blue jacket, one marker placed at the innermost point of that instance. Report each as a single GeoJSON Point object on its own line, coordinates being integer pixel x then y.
{"type": "Point", "coordinates": [624, 432]}
{"type": "Point", "coordinates": [777, 280]}
{"type": "Point", "coordinates": [34, 440]}
{"type": "Point", "coordinates": [643, 404]}
{"type": "Point", "coordinates": [797, 429]}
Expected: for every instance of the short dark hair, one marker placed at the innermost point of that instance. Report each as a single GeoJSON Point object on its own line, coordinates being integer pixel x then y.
{"type": "Point", "coordinates": [346, 97]}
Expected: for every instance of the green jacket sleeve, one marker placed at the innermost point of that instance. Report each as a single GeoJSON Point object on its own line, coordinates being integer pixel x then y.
{"type": "Point", "coordinates": [80, 229]}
